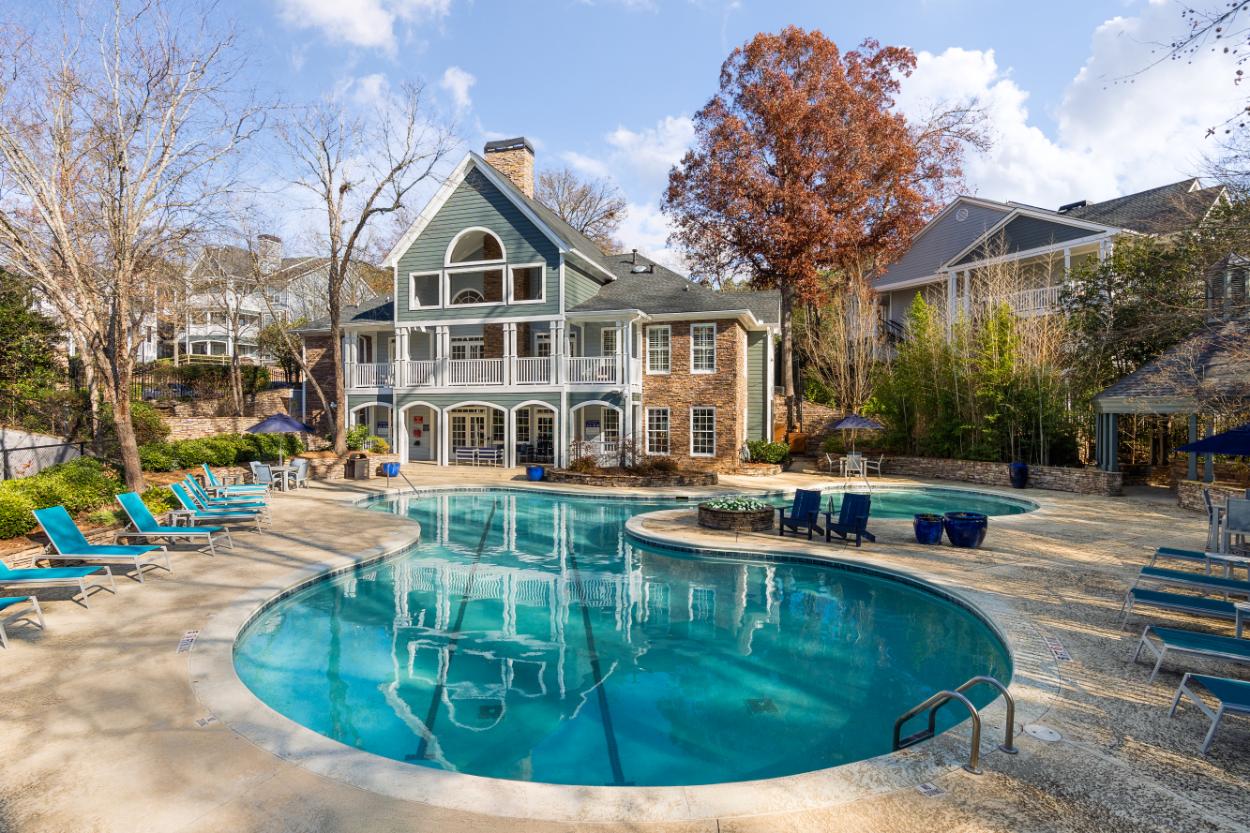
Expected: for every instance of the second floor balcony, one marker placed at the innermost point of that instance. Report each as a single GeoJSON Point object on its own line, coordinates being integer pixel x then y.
{"type": "Point", "coordinates": [511, 371]}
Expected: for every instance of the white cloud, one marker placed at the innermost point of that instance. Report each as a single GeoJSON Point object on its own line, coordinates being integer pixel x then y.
{"type": "Point", "coordinates": [1118, 129]}
{"type": "Point", "coordinates": [587, 165]}
{"type": "Point", "coordinates": [365, 23]}
{"type": "Point", "coordinates": [457, 82]}
{"type": "Point", "coordinates": [648, 154]}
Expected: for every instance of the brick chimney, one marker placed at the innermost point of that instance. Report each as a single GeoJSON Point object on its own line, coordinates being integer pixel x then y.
{"type": "Point", "coordinates": [268, 253]}
{"type": "Point", "coordinates": [514, 158]}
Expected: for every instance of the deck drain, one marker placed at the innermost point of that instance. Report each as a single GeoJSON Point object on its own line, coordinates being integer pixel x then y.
{"type": "Point", "coordinates": [187, 642]}
{"type": "Point", "coordinates": [1042, 733]}
{"type": "Point", "coordinates": [1056, 648]}
{"type": "Point", "coordinates": [761, 705]}
{"type": "Point", "coordinates": [930, 790]}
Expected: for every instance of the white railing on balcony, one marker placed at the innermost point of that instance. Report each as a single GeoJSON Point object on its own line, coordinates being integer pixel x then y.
{"type": "Point", "coordinates": [1035, 301]}
{"type": "Point", "coordinates": [371, 375]}
{"type": "Point", "coordinates": [534, 370]}
{"type": "Point", "coordinates": [591, 369]}
{"type": "Point", "coordinates": [475, 371]}
{"type": "Point", "coordinates": [417, 374]}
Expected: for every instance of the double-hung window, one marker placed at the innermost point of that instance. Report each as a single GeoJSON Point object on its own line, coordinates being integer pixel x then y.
{"type": "Point", "coordinates": [467, 347]}
{"type": "Point", "coordinates": [659, 349]}
{"type": "Point", "coordinates": [611, 432]}
{"type": "Point", "coordinates": [607, 341]}
{"type": "Point", "coordinates": [702, 348]}
{"type": "Point", "coordinates": [703, 431]}
{"type": "Point", "coordinates": [657, 430]}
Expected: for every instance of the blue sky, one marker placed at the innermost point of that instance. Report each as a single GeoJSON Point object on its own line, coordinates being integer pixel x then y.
{"type": "Point", "coordinates": [608, 86]}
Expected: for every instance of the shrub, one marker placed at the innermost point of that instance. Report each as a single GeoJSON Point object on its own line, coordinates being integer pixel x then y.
{"type": "Point", "coordinates": [158, 457]}
{"type": "Point", "coordinates": [763, 451]}
{"type": "Point", "coordinates": [379, 446]}
{"type": "Point", "coordinates": [584, 465]}
{"type": "Point", "coordinates": [833, 444]}
{"type": "Point", "coordinates": [652, 466]}
{"type": "Point", "coordinates": [159, 499]}
{"type": "Point", "coordinates": [147, 421]}
{"type": "Point", "coordinates": [357, 437]}
{"type": "Point", "coordinates": [15, 512]}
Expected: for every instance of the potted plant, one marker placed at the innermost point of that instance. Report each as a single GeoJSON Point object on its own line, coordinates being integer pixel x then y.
{"type": "Point", "coordinates": [1019, 472]}
{"type": "Point", "coordinates": [535, 473]}
{"type": "Point", "coordinates": [928, 528]}
{"type": "Point", "coordinates": [965, 529]}
{"type": "Point", "coordinates": [737, 514]}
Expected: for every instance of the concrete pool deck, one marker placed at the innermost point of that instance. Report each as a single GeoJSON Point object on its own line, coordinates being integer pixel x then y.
{"type": "Point", "coordinates": [103, 730]}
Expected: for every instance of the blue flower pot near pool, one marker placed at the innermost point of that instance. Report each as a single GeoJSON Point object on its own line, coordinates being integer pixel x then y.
{"type": "Point", "coordinates": [390, 469]}
{"type": "Point", "coordinates": [534, 473]}
{"type": "Point", "coordinates": [928, 528]}
{"type": "Point", "coordinates": [1019, 475]}
{"type": "Point", "coordinates": [965, 529]}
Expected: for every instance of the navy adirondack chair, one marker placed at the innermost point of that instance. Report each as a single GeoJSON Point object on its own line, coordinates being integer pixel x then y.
{"type": "Point", "coordinates": [852, 518]}
{"type": "Point", "coordinates": [803, 515]}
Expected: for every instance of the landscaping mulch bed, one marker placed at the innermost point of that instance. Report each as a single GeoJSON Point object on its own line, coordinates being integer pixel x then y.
{"type": "Point", "coordinates": [618, 478]}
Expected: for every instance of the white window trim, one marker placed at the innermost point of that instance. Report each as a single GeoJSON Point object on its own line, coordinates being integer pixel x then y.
{"type": "Point", "coordinates": [452, 246]}
{"type": "Point", "coordinates": [459, 268]}
{"type": "Point", "coordinates": [463, 291]}
{"type": "Point", "coordinates": [603, 335]}
{"type": "Point", "coordinates": [646, 359]}
{"type": "Point", "coordinates": [412, 289]}
{"type": "Point", "coordinates": [542, 282]}
{"type": "Point", "coordinates": [694, 408]}
{"type": "Point", "coordinates": [539, 338]}
{"type": "Point", "coordinates": [646, 416]}
{"type": "Point", "coordinates": [714, 357]}
{"type": "Point", "coordinates": [478, 340]}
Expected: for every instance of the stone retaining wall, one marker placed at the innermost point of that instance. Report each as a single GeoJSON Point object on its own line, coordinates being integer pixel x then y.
{"type": "Point", "coordinates": [1189, 493]}
{"type": "Point", "coordinates": [1089, 481]}
{"type": "Point", "coordinates": [335, 468]}
{"type": "Point", "coordinates": [628, 480]}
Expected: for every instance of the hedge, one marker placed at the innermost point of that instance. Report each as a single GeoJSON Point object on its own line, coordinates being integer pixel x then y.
{"type": "Point", "coordinates": [80, 486]}
{"type": "Point", "coordinates": [763, 451]}
{"type": "Point", "coordinates": [219, 450]}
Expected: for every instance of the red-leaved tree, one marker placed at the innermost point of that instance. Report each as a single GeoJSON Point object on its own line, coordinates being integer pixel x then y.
{"type": "Point", "coordinates": [802, 168]}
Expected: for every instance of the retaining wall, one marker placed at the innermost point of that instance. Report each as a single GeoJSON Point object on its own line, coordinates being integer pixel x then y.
{"type": "Point", "coordinates": [1089, 481]}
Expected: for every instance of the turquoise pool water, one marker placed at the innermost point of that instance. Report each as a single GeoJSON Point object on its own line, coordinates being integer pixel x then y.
{"type": "Point", "coordinates": [903, 503]}
{"type": "Point", "coordinates": [526, 638]}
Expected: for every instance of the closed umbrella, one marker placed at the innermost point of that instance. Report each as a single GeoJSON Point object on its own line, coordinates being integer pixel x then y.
{"type": "Point", "coordinates": [1234, 442]}
{"type": "Point", "coordinates": [280, 424]}
{"type": "Point", "coordinates": [855, 422]}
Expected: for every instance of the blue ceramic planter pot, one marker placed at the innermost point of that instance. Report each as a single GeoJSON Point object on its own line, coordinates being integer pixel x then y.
{"type": "Point", "coordinates": [1019, 475]}
{"type": "Point", "coordinates": [965, 529]}
{"type": "Point", "coordinates": [534, 473]}
{"type": "Point", "coordinates": [928, 529]}
{"type": "Point", "coordinates": [391, 469]}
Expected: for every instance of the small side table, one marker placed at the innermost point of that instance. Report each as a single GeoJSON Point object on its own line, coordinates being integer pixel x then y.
{"type": "Point", "coordinates": [1242, 612]}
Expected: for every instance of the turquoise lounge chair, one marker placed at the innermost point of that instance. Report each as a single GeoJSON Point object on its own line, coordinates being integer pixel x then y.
{"type": "Point", "coordinates": [57, 577]}
{"type": "Point", "coordinates": [1177, 641]}
{"type": "Point", "coordinates": [207, 502]}
{"type": "Point", "coordinates": [1178, 602]}
{"type": "Point", "coordinates": [191, 510]}
{"type": "Point", "coordinates": [146, 526]}
{"type": "Point", "coordinates": [241, 489]}
{"type": "Point", "coordinates": [24, 605]}
{"type": "Point", "coordinates": [1202, 581]}
{"type": "Point", "coordinates": [1231, 696]}
{"type": "Point", "coordinates": [1177, 554]}
{"type": "Point", "coordinates": [69, 544]}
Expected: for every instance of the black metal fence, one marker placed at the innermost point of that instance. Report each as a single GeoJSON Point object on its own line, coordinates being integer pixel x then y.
{"type": "Point", "coordinates": [26, 460]}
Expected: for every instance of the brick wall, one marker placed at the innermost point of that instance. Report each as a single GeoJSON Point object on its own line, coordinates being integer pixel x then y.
{"type": "Point", "coordinates": [1089, 481]}
{"type": "Point", "coordinates": [1189, 493]}
{"type": "Point", "coordinates": [265, 403]}
{"type": "Point", "coordinates": [320, 359]}
{"type": "Point", "coordinates": [492, 341]}
{"type": "Point", "coordinates": [680, 390]}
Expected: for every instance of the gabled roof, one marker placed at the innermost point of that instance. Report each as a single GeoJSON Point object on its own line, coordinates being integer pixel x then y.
{"type": "Point", "coordinates": [1025, 232]}
{"type": "Point", "coordinates": [954, 229]}
{"type": "Point", "coordinates": [661, 291]}
{"type": "Point", "coordinates": [1163, 210]}
{"type": "Point", "coordinates": [373, 311]}
{"type": "Point", "coordinates": [568, 239]}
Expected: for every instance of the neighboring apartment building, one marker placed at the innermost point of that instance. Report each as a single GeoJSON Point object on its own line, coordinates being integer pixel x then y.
{"type": "Point", "coordinates": [509, 331]}
{"type": "Point", "coordinates": [234, 292]}
{"type": "Point", "coordinates": [1039, 246]}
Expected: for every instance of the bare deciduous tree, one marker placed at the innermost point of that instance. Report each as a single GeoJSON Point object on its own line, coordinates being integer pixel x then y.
{"type": "Point", "coordinates": [594, 207]}
{"type": "Point", "coordinates": [114, 132]}
{"type": "Point", "coordinates": [360, 168]}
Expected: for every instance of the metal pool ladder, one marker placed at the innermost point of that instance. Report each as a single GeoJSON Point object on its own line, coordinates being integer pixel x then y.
{"type": "Point", "coordinates": [942, 698]}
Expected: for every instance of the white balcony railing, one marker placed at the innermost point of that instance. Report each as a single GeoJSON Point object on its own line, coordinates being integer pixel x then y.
{"type": "Point", "coordinates": [591, 369]}
{"type": "Point", "coordinates": [371, 375]}
{"type": "Point", "coordinates": [1036, 301]}
{"type": "Point", "coordinates": [534, 370]}
{"type": "Point", "coordinates": [475, 371]}
{"type": "Point", "coordinates": [417, 374]}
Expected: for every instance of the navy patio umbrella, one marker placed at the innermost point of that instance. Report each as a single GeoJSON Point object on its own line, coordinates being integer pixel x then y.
{"type": "Point", "coordinates": [855, 422]}
{"type": "Point", "coordinates": [280, 424]}
{"type": "Point", "coordinates": [1234, 442]}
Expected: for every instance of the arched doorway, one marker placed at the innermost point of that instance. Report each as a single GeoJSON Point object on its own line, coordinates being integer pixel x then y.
{"type": "Point", "coordinates": [419, 429]}
{"type": "Point", "coordinates": [477, 433]}
{"type": "Point", "coordinates": [597, 431]}
{"type": "Point", "coordinates": [377, 416]}
{"type": "Point", "coordinates": [535, 432]}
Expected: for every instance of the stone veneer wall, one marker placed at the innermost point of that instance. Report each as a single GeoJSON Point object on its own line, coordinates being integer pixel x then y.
{"type": "Point", "coordinates": [264, 403]}
{"type": "Point", "coordinates": [1189, 493]}
{"type": "Point", "coordinates": [1089, 481]}
{"type": "Point", "coordinates": [320, 360]}
{"type": "Point", "coordinates": [680, 390]}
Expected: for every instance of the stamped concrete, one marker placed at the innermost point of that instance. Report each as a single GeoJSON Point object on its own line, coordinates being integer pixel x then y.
{"type": "Point", "coordinates": [103, 729]}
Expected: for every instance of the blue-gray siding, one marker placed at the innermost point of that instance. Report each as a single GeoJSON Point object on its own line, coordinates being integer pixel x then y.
{"type": "Point", "coordinates": [940, 242]}
{"type": "Point", "coordinates": [1023, 234]}
{"type": "Point", "coordinates": [757, 384]}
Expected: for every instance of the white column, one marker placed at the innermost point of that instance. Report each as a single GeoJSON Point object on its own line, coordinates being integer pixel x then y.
{"type": "Point", "coordinates": [562, 437]}
{"type": "Point", "coordinates": [440, 345]}
{"type": "Point", "coordinates": [509, 352]}
{"type": "Point", "coordinates": [559, 348]}
{"type": "Point", "coordinates": [443, 420]}
{"type": "Point", "coordinates": [967, 293]}
{"type": "Point", "coordinates": [509, 435]}
{"type": "Point", "coordinates": [399, 424]}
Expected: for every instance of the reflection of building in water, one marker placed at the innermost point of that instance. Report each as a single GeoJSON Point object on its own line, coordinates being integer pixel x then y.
{"type": "Point", "coordinates": [474, 635]}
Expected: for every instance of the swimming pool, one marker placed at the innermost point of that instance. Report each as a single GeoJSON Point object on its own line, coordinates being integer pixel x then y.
{"type": "Point", "coordinates": [906, 502]}
{"type": "Point", "coordinates": [527, 638]}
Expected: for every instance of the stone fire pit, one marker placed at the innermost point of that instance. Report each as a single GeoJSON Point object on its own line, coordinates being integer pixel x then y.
{"type": "Point", "coordinates": [737, 514]}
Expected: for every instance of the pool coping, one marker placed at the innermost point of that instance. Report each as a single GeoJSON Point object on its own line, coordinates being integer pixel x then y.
{"type": "Point", "coordinates": [218, 688]}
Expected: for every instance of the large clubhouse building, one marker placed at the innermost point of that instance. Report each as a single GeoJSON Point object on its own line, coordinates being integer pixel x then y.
{"type": "Point", "coordinates": [511, 337]}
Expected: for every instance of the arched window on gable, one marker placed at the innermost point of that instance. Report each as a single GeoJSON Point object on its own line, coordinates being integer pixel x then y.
{"type": "Point", "coordinates": [474, 245]}
{"type": "Point", "coordinates": [475, 265]}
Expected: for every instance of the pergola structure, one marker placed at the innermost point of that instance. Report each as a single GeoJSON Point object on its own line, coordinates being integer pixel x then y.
{"type": "Point", "coordinates": [1208, 372]}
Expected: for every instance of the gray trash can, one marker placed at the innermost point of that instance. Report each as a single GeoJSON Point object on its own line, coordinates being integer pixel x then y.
{"type": "Point", "coordinates": [358, 468]}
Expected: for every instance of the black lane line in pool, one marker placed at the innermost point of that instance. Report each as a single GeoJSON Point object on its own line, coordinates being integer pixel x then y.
{"type": "Point", "coordinates": [437, 696]}
{"type": "Point", "coordinates": [609, 734]}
